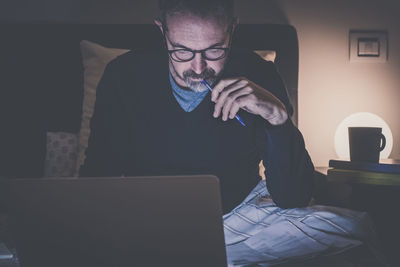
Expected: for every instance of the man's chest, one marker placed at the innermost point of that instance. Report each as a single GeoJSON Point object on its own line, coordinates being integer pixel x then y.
{"type": "Point", "coordinates": [174, 140]}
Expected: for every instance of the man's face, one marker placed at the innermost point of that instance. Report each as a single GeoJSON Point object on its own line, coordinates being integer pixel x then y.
{"type": "Point", "coordinates": [192, 32]}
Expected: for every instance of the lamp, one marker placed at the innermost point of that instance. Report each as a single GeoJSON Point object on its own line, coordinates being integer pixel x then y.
{"type": "Point", "coordinates": [361, 119]}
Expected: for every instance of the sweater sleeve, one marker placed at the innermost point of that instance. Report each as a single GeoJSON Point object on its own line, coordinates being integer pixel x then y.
{"type": "Point", "coordinates": [288, 167]}
{"type": "Point", "coordinates": [106, 152]}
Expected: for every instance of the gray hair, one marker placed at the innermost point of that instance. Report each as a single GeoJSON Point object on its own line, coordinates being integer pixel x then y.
{"type": "Point", "coordinates": [220, 9]}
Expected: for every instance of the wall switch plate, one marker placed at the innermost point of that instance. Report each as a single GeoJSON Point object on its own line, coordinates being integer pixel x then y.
{"type": "Point", "coordinates": [368, 46]}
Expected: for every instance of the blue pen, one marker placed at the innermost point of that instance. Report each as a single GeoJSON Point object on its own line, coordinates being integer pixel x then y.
{"type": "Point", "coordinates": [209, 88]}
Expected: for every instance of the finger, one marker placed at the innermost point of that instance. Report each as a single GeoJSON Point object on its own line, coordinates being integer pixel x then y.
{"type": "Point", "coordinates": [232, 99]}
{"type": "Point", "coordinates": [238, 104]}
{"type": "Point", "coordinates": [219, 103]}
{"type": "Point", "coordinates": [234, 109]}
{"type": "Point", "coordinates": [220, 86]}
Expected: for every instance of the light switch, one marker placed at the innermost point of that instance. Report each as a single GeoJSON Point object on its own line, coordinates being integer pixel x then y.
{"type": "Point", "coordinates": [368, 46]}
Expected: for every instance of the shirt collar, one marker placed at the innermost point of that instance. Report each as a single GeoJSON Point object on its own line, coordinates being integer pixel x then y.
{"type": "Point", "coordinates": [187, 99]}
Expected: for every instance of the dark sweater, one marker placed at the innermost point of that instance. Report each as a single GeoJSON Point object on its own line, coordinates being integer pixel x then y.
{"type": "Point", "coordinates": [138, 128]}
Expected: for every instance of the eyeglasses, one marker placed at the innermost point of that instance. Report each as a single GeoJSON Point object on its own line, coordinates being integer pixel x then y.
{"type": "Point", "coordinates": [185, 54]}
{"type": "Point", "coordinates": [211, 54]}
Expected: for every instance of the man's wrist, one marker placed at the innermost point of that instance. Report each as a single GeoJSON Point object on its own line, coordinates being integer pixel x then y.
{"type": "Point", "coordinates": [278, 117]}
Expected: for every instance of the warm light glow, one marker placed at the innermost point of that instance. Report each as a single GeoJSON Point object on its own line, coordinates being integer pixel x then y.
{"type": "Point", "coordinates": [361, 119]}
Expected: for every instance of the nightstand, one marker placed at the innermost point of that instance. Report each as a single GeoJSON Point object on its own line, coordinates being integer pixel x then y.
{"type": "Point", "coordinates": [379, 197]}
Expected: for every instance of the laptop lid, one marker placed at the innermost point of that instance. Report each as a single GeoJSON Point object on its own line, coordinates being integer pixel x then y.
{"type": "Point", "coordinates": [125, 221]}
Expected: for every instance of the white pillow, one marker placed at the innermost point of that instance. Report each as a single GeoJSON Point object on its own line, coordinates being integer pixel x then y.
{"type": "Point", "coordinates": [95, 58]}
{"type": "Point", "coordinates": [61, 154]}
{"type": "Point", "coordinates": [267, 55]}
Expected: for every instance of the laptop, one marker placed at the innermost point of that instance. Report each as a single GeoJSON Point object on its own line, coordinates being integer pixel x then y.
{"type": "Point", "coordinates": [116, 221]}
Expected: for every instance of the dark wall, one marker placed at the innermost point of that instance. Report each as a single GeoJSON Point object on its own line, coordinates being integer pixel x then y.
{"type": "Point", "coordinates": [123, 11]}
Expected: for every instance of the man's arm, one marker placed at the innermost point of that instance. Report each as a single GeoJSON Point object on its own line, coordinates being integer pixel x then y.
{"type": "Point", "coordinates": [106, 152]}
{"type": "Point", "coordinates": [289, 170]}
{"type": "Point", "coordinates": [288, 167]}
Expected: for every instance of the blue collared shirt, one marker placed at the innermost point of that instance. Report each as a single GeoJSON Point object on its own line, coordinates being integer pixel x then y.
{"type": "Point", "coordinates": [187, 99]}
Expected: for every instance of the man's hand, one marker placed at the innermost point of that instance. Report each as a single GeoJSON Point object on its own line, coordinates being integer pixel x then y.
{"type": "Point", "coordinates": [232, 94]}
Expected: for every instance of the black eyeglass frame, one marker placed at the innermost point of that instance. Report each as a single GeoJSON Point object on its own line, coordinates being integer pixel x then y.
{"type": "Point", "coordinates": [194, 52]}
{"type": "Point", "coordinates": [202, 51]}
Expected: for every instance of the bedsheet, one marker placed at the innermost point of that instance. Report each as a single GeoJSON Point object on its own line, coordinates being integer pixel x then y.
{"type": "Point", "coordinates": [258, 233]}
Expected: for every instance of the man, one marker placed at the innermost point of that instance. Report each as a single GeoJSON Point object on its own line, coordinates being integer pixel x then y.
{"type": "Point", "coordinates": [153, 115]}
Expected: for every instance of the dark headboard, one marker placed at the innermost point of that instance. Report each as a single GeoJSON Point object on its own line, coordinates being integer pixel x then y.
{"type": "Point", "coordinates": [41, 81]}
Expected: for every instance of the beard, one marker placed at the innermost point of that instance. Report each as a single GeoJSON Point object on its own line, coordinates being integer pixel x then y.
{"type": "Point", "coordinates": [208, 75]}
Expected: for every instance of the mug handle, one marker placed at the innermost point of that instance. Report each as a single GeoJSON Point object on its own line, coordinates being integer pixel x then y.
{"type": "Point", "coordinates": [383, 142]}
